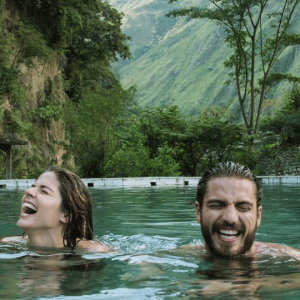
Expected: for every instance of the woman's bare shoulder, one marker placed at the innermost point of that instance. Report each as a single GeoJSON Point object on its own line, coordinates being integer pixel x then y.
{"type": "Point", "coordinates": [91, 245]}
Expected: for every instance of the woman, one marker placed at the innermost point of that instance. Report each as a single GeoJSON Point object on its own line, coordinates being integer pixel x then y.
{"type": "Point", "coordinates": [57, 211]}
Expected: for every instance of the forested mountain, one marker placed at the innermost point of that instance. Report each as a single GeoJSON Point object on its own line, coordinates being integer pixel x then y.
{"type": "Point", "coordinates": [180, 61]}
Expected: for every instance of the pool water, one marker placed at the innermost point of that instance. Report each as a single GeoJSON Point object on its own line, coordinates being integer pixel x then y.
{"type": "Point", "coordinates": [146, 226]}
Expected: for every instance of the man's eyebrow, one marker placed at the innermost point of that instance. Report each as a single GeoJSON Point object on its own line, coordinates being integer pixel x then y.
{"type": "Point", "coordinates": [244, 202]}
{"type": "Point", "coordinates": [216, 200]}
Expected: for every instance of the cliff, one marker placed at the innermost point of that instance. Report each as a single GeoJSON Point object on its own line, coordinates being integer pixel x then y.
{"type": "Point", "coordinates": [29, 82]}
{"type": "Point", "coordinates": [56, 87]}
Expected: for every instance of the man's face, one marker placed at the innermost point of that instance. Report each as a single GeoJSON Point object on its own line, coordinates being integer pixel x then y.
{"type": "Point", "coordinates": [229, 216]}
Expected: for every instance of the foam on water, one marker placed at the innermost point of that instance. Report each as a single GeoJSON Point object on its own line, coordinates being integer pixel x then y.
{"type": "Point", "coordinates": [132, 294]}
{"type": "Point", "coordinates": [140, 243]}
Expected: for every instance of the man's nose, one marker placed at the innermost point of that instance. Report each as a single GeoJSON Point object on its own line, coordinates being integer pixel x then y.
{"type": "Point", "coordinates": [230, 215]}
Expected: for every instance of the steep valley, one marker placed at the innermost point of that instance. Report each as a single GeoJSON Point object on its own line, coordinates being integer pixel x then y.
{"type": "Point", "coordinates": [180, 62]}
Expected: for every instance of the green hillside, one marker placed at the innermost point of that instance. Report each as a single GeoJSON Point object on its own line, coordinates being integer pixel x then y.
{"type": "Point", "coordinates": [176, 61]}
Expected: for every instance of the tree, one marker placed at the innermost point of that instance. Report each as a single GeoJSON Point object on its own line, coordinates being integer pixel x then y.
{"type": "Point", "coordinates": [203, 142]}
{"type": "Point", "coordinates": [89, 127]}
{"type": "Point", "coordinates": [196, 141]}
{"type": "Point", "coordinates": [256, 46]}
{"type": "Point", "coordinates": [285, 121]}
{"type": "Point", "coordinates": [132, 157]}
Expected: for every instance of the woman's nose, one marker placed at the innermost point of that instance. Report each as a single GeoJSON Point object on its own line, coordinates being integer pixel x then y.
{"type": "Point", "coordinates": [30, 192]}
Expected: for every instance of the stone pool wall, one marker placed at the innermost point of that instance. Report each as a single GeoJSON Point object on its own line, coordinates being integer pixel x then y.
{"type": "Point", "coordinates": [280, 161]}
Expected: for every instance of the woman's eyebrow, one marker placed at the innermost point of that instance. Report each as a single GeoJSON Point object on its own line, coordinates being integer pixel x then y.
{"type": "Point", "coordinates": [45, 187]}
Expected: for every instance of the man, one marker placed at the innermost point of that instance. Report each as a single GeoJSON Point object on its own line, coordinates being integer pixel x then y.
{"type": "Point", "coordinates": [228, 207]}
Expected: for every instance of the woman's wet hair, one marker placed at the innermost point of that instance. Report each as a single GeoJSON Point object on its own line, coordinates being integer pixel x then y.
{"type": "Point", "coordinates": [228, 169]}
{"type": "Point", "coordinates": [77, 205]}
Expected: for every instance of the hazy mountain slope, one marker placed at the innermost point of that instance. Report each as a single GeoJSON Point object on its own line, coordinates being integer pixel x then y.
{"type": "Point", "coordinates": [177, 61]}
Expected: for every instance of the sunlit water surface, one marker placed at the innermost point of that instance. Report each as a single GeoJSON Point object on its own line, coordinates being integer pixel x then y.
{"type": "Point", "coordinates": [145, 226]}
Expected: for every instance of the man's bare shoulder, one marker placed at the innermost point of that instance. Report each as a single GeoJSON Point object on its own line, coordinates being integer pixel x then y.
{"type": "Point", "coordinates": [276, 250]}
{"type": "Point", "coordinates": [191, 247]}
{"type": "Point", "coordinates": [262, 248]}
{"type": "Point", "coordinates": [189, 250]}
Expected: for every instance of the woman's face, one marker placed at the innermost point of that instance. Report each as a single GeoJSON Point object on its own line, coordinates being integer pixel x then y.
{"type": "Point", "coordinates": [42, 205]}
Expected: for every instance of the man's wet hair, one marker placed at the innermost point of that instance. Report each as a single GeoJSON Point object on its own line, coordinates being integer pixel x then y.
{"type": "Point", "coordinates": [228, 169]}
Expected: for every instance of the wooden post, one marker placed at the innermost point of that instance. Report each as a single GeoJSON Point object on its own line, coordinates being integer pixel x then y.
{"type": "Point", "coordinates": [8, 163]}
{"type": "Point", "coordinates": [5, 145]}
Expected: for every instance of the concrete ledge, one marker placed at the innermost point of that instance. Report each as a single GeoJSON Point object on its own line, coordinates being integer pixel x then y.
{"type": "Point", "coordinates": [115, 182]}
{"type": "Point", "coordinates": [16, 183]}
{"type": "Point", "coordinates": [142, 181]}
{"type": "Point", "coordinates": [279, 179]}
{"type": "Point", "coordinates": [146, 181]}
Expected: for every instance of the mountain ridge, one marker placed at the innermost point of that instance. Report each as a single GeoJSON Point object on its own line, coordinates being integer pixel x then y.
{"type": "Point", "coordinates": [180, 61]}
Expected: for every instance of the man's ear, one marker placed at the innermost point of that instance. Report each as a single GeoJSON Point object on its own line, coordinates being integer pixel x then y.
{"type": "Point", "coordinates": [259, 213]}
{"type": "Point", "coordinates": [197, 211]}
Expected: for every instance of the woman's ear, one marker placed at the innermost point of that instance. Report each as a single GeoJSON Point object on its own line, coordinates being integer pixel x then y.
{"type": "Point", "coordinates": [197, 211]}
{"type": "Point", "coordinates": [64, 218]}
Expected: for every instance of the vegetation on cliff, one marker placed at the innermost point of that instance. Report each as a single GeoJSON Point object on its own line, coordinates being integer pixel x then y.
{"type": "Point", "coordinates": [76, 40]}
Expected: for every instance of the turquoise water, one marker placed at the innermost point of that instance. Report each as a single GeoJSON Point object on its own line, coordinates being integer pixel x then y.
{"type": "Point", "coordinates": [146, 226]}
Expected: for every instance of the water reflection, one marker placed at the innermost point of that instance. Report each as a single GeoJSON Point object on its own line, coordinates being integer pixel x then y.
{"type": "Point", "coordinates": [240, 278]}
{"type": "Point", "coordinates": [46, 272]}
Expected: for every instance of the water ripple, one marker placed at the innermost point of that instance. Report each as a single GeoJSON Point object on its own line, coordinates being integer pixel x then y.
{"type": "Point", "coordinates": [140, 243]}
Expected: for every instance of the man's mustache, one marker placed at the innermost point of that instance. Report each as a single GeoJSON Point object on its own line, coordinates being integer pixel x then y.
{"type": "Point", "coordinates": [227, 226]}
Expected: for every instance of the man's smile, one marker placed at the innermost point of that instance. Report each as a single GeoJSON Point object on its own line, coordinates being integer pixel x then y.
{"type": "Point", "coordinates": [228, 235]}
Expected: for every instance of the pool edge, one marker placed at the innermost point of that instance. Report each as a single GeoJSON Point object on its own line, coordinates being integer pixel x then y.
{"type": "Point", "coordinates": [146, 181]}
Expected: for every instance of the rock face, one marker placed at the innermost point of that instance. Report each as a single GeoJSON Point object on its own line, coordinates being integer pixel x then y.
{"type": "Point", "coordinates": [43, 83]}
{"type": "Point", "coordinates": [281, 160]}
{"type": "Point", "coordinates": [46, 137]}
{"type": "Point", "coordinates": [33, 92]}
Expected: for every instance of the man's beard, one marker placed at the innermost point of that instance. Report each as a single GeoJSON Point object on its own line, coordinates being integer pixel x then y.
{"type": "Point", "coordinates": [224, 249]}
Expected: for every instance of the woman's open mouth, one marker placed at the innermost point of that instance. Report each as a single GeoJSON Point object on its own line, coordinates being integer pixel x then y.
{"type": "Point", "coordinates": [28, 208]}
